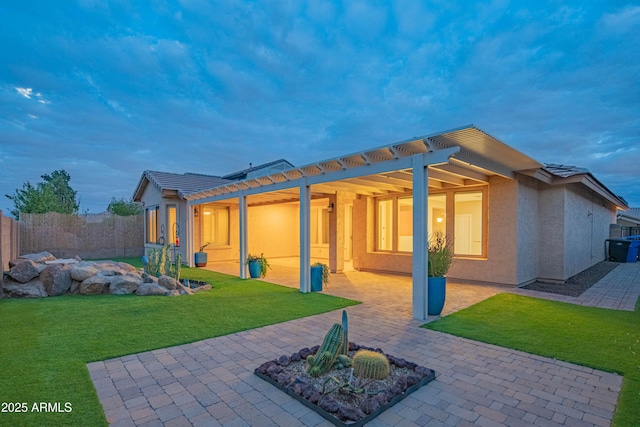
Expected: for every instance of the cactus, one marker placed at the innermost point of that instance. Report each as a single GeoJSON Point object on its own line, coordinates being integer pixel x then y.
{"type": "Point", "coordinates": [370, 364]}
{"type": "Point", "coordinates": [345, 327]}
{"type": "Point", "coordinates": [328, 352]}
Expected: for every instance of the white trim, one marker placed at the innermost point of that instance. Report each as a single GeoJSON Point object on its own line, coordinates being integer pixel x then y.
{"type": "Point", "coordinates": [420, 281]}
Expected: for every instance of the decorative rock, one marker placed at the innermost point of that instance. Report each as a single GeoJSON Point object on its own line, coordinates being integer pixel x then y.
{"type": "Point", "coordinates": [183, 290]}
{"type": "Point", "coordinates": [123, 285]}
{"type": "Point", "coordinates": [82, 271]}
{"type": "Point", "coordinates": [126, 267]}
{"type": "Point", "coordinates": [202, 288]}
{"type": "Point", "coordinates": [110, 272]}
{"type": "Point", "coordinates": [174, 293]}
{"type": "Point", "coordinates": [56, 279]}
{"type": "Point", "coordinates": [39, 257]}
{"type": "Point", "coordinates": [16, 261]}
{"type": "Point", "coordinates": [349, 414]}
{"type": "Point", "coordinates": [75, 287]}
{"type": "Point", "coordinates": [145, 289]}
{"type": "Point", "coordinates": [24, 271]}
{"type": "Point", "coordinates": [95, 285]}
{"type": "Point", "coordinates": [299, 386]}
{"type": "Point", "coordinates": [370, 405]}
{"type": "Point", "coordinates": [31, 289]}
{"type": "Point", "coordinates": [304, 353]}
{"type": "Point", "coordinates": [167, 282]}
{"type": "Point", "coordinates": [329, 404]}
{"type": "Point", "coordinates": [284, 360]}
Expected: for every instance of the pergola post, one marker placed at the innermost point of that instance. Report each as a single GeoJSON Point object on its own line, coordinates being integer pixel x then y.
{"type": "Point", "coordinates": [420, 238]}
{"type": "Point", "coordinates": [305, 236]}
{"type": "Point", "coordinates": [336, 233]}
{"type": "Point", "coordinates": [189, 238]}
{"type": "Point", "coordinates": [242, 216]}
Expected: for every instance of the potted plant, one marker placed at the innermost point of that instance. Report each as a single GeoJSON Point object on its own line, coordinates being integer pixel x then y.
{"type": "Point", "coordinates": [319, 276]}
{"type": "Point", "coordinates": [257, 266]}
{"type": "Point", "coordinates": [201, 256]}
{"type": "Point", "coordinates": [440, 259]}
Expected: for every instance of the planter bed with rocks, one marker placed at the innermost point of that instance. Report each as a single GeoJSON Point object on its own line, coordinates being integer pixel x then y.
{"type": "Point", "coordinates": [42, 275]}
{"type": "Point", "coordinates": [340, 405]}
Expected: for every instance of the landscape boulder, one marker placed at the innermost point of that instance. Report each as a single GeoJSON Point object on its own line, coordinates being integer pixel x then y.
{"type": "Point", "coordinates": [95, 285]}
{"type": "Point", "coordinates": [167, 282]}
{"type": "Point", "coordinates": [31, 289]}
{"type": "Point", "coordinates": [151, 288]}
{"type": "Point", "coordinates": [56, 279]}
{"type": "Point", "coordinates": [41, 275]}
{"type": "Point", "coordinates": [124, 285]}
{"type": "Point", "coordinates": [83, 270]}
{"type": "Point", "coordinates": [39, 257]}
{"type": "Point", "coordinates": [24, 271]}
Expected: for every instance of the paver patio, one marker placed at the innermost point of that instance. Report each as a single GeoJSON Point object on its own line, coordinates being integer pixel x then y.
{"type": "Point", "coordinates": [211, 382]}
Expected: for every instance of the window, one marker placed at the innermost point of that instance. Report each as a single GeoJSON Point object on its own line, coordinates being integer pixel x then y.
{"type": "Point", "coordinates": [465, 210]}
{"type": "Point", "coordinates": [152, 225]}
{"type": "Point", "coordinates": [468, 223]}
{"type": "Point", "coordinates": [172, 224]}
{"type": "Point", "coordinates": [215, 225]}
{"type": "Point", "coordinates": [405, 224]}
{"type": "Point", "coordinates": [437, 214]}
{"type": "Point", "coordinates": [319, 226]}
{"type": "Point", "coordinates": [385, 225]}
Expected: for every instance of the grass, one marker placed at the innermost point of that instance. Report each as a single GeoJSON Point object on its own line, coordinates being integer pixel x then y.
{"type": "Point", "coordinates": [46, 343]}
{"type": "Point", "coordinates": [603, 339]}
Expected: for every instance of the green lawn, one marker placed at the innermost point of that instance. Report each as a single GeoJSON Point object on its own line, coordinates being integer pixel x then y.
{"type": "Point", "coordinates": [46, 343]}
{"type": "Point", "coordinates": [603, 339]}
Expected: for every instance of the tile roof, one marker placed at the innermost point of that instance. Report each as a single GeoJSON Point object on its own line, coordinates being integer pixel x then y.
{"type": "Point", "coordinates": [181, 183]}
{"type": "Point", "coordinates": [564, 171]}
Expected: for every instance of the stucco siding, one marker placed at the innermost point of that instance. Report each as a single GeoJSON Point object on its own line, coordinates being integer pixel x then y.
{"type": "Point", "coordinates": [500, 264]}
{"type": "Point", "coordinates": [586, 228]}
{"type": "Point", "coordinates": [528, 230]}
{"type": "Point", "coordinates": [551, 245]}
{"type": "Point", "coordinates": [274, 230]}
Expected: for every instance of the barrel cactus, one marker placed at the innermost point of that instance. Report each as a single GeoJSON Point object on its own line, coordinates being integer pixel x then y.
{"type": "Point", "coordinates": [328, 352]}
{"type": "Point", "coordinates": [371, 365]}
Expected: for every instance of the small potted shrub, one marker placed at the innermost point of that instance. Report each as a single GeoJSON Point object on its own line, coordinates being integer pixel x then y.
{"type": "Point", "coordinates": [440, 259]}
{"type": "Point", "coordinates": [201, 256]}
{"type": "Point", "coordinates": [319, 276]}
{"type": "Point", "coordinates": [258, 266]}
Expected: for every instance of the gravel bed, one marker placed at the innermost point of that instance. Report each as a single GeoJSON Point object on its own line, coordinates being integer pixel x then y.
{"type": "Point", "coordinates": [576, 285]}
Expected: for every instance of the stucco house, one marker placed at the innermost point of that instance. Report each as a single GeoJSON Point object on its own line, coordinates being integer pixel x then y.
{"type": "Point", "coordinates": [511, 219]}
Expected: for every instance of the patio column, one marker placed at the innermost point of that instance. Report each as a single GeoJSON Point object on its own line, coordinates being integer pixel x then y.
{"type": "Point", "coordinates": [420, 238]}
{"type": "Point", "coordinates": [336, 233]}
{"type": "Point", "coordinates": [242, 225]}
{"type": "Point", "coordinates": [189, 239]}
{"type": "Point", "coordinates": [305, 236]}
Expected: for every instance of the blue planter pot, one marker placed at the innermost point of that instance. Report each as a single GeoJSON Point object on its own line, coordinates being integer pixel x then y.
{"type": "Point", "coordinates": [316, 279]}
{"type": "Point", "coordinates": [255, 268]}
{"type": "Point", "coordinates": [436, 295]}
{"type": "Point", "coordinates": [201, 259]}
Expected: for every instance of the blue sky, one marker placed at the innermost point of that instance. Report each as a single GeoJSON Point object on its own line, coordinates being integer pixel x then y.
{"type": "Point", "coordinates": [106, 90]}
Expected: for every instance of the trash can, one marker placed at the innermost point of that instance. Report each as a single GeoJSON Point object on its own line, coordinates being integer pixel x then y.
{"type": "Point", "coordinates": [634, 248]}
{"type": "Point", "coordinates": [619, 249]}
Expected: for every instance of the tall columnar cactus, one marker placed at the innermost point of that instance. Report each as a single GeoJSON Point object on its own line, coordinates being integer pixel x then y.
{"type": "Point", "coordinates": [370, 364]}
{"type": "Point", "coordinates": [328, 352]}
{"type": "Point", "coordinates": [345, 327]}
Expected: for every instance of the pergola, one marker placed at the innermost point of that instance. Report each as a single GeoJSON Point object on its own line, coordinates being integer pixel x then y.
{"type": "Point", "coordinates": [454, 158]}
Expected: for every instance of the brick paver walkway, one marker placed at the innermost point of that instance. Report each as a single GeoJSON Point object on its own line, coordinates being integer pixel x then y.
{"type": "Point", "coordinates": [211, 382]}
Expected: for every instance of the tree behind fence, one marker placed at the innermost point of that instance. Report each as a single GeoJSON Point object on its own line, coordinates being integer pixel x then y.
{"type": "Point", "coordinates": [88, 236]}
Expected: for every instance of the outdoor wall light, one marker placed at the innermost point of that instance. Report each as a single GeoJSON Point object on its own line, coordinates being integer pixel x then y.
{"type": "Point", "coordinates": [330, 207]}
{"type": "Point", "coordinates": [439, 219]}
{"type": "Point", "coordinates": [195, 212]}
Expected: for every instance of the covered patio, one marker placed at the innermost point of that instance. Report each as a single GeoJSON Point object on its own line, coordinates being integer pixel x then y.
{"type": "Point", "coordinates": [386, 292]}
{"type": "Point", "coordinates": [375, 209]}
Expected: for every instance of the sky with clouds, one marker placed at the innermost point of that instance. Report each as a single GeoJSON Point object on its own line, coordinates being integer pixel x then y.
{"type": "Point", "coordinates": [107, 89]}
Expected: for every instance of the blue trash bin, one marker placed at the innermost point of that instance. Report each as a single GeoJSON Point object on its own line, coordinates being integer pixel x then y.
{"type": "Point", "coordinates": [634, 249]}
